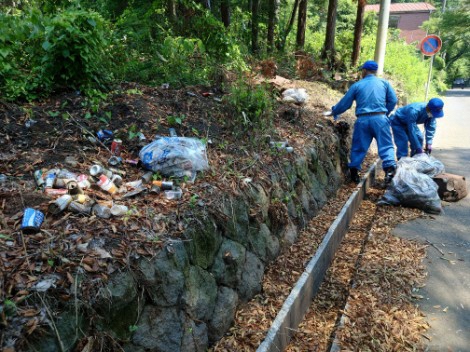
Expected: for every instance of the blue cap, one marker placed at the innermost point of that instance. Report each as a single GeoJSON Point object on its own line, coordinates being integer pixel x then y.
{"type": "Point", "coordinates": [435, 105]}
{"type": "Point", "coordinates": [370, 65]}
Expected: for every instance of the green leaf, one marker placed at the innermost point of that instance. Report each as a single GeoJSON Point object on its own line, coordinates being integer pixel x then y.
{"type": "Point", "coordinates": [4, 52]}
{"type": "Point", "coordinates": [46, 45]}
{"type": "Point", "coordinates": [92, 22]}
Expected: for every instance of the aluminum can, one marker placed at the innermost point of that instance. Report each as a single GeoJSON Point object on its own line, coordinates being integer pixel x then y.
{"type": "Point", "coordinates": [60, 204]}
{"type": "Point", "coordinates": [32, 220]}
{"type": "Point", "coordinates": [114, 160]}
{"type": "Point", "coordinates": [116, 147]}
{"type": "Point", "coordinates": [55, 191]}
{"type": "Point", "coordinates": [74, 188]}
{"type": "Point", "coordinates": [147, 177]}
{"type": "Point", "coordinates": [174, 194]}
{"type": "Point", "coordinates": [78, 208]}
{"type": "Point", "coordinates": [38, 177]}
{"type": "Point", "coordinates": [164, 185]}
{"type": "Point", "coordinates": [98, 170]}
{"type": "Point", "coordinates": [50, 179]}
{"type": "Point", "coordinates": [106, 184]}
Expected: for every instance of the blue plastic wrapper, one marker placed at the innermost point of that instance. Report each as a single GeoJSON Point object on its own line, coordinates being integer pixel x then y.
{"type": "Point", "coordinates": [32, 220]}
{"type": "Point", "coordinates": [104, 135]}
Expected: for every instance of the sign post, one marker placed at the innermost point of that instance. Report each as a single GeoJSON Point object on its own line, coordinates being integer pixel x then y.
{"type": "Point", "coordinates": [430, 46]}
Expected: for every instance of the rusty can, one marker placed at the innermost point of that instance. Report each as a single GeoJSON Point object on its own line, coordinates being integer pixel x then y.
{"type": "Point", "coordinates": [116, 147]}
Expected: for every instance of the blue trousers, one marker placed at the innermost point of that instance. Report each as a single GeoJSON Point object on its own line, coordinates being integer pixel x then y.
{"type": "Point", "coordinates": [365, 129]}
{"type": "Point", "coordinates": [402, 138]}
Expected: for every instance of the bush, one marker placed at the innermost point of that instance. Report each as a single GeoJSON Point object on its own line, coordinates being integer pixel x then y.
{"type": "Point", "coordinates": [253, 105]}
{"type": "Point", "coordinates": [41, 53]}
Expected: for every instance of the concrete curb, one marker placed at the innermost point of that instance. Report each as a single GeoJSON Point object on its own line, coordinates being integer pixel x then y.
{"type": "Point", "coordinates": [300, 298]}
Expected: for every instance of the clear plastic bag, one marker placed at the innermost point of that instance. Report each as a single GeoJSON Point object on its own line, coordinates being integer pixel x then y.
{"type": "Point", "coordinates": [295, 95]}
{"type": "Point", "coordinates": [175, 156]}
{"type": "Point", "coordinates": [413, 189]}
{"type": "Point", "coordinates": [423, 163]}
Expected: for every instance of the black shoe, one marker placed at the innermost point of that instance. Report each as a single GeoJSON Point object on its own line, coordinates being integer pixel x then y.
{"type": "Point", "coordinates": [354, 175]}
{"type": "Point", "coordinates": [389, 173]}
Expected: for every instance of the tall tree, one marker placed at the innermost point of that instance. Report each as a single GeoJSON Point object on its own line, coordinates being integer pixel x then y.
{"type": "Point", "coordinates": [225, 12]}
{"type": "Point", "coordinates": [301, 24]}
{"type": "Point", "coordinates": [361, 5]}
{"type": "Point", "coordinates": [255, 26]}
{"type": "Point", "coordinates": [272, 22]}
{"type": "Point", "coordinates": [282, 41]}
{"type": "Point", "coordinates": [329, 47]}
{"type": "Point", "coordinates": [171, 10]}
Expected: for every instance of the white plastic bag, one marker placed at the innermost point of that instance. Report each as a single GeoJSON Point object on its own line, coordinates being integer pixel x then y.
{"type": "Point", "coordinates": [413, 189]}
{"type": "Point", "coordinates": [295, 95]}
{"type": "Point", "coordinates": [423, 163]}
{"type": "Point", "coordinates": [175, 156]}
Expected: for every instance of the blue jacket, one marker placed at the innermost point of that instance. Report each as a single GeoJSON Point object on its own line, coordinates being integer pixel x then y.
{"type": "Point", "coordinates": [371, 94]}
{"type": "Point", "coordinates": [411, 115]}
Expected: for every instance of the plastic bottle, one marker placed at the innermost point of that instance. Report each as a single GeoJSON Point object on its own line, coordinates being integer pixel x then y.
{"type": "Point", "coordinates": [119, 210]}
{"type": "Point", "coordinates": [174, 193]}
{"type": "Point", "coordinates": [101, 211]}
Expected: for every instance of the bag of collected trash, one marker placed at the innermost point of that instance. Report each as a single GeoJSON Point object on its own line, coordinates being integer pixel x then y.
{"type": "Point", "coordinates": [175, 156]}
{"type": "Point", "coordinates": [423, 163]}
{"type": "Point", "coordinates": [413, 189]}
{"type": "Point", "coordinates": [451, 188]}
{"type": "Point", "coordinates": [295, 95]}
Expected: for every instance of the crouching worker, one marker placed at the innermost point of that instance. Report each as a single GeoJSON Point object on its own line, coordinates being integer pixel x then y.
{"type": "Point", "coordinates": [405, 123]}
{"type": "Point", "coordinates": [375, 99]}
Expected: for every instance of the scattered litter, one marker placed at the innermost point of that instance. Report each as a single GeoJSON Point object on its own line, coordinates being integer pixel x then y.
{"type": "Point", "coordinates": [32, 220]}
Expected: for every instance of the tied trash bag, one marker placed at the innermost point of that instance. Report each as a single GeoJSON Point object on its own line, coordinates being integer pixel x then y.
{"type": "Point", "coordinates": [295, 95]}
{"type": "Point", "coordinates": [413, 189]}
{"type": "Point", "coordinates": [423, 163]}
{"type": "Point", "coordinates": [175, 156]}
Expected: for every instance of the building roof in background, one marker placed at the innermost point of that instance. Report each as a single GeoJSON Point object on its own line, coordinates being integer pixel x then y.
{"type": "Point", "coordinates": [404, 7]}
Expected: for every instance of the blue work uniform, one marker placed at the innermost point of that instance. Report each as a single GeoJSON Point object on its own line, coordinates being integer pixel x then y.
{"type": "Point", "coordinates": [405, 128]}
{"type": "Point", "coordinates": [375, 99]}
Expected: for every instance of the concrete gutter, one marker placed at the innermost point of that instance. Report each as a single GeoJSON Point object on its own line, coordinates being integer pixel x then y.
{"type": "Point", "coordinates": [301, 296]}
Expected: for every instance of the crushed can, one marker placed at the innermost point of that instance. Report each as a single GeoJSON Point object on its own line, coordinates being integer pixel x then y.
{"type": "Point", "coordinates": [78, 208]}
{"type": "Point", "coordinates": [32, 220]}
{"type": "Point", "coordinates": [114, 160]}
{"type": "Point", "coordinates": [83, 182]}
{"type": "Point", "coordinates": [147, 177]}
{"type": "Point", "coordinates": [60, 204]}
{"type": "Point", "coordinates": [55, 191]}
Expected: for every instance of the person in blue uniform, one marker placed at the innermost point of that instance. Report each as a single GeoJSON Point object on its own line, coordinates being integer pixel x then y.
{"type": "Point", "coordinates": [405, 128]}
{"type": "Point", "coordinates": [375, 99]}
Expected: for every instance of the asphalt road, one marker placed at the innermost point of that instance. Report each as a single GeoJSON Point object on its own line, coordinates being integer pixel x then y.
{"type": "Point", "coordinates": [446, 296]}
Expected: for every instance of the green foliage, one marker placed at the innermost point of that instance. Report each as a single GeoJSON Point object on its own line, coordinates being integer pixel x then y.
{"type": "Point", "coordinates": [174, 120]}
{"type": "Point", "coordinates": [253, 106]}
{"type": "Point", "coordinates": [41, 53]}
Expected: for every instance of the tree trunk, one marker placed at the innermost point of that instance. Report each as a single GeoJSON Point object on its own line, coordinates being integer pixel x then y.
{"type": "Point", "coordinates": [255, 26]}
{"type": "Point", "coordinates": [272, 22]}
{"type": "Point", "coordinates": [206, 4]}
{"type": "Point", "coordinates": [225, 12]}
{"type": "Point", "coordinates": [361, 4]}
{"type": "Point", "coordinates": [301, 24]}
{"type": "Point", "coordinates": [282, 42]}
{"type": "Point", "coordinates": [171, 10]}
{"type": "Point", "coordinates": [329, 47]}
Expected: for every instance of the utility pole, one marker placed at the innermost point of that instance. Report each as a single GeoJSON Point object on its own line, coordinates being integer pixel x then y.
{"type": "Point", "coordinates": [381, 39]}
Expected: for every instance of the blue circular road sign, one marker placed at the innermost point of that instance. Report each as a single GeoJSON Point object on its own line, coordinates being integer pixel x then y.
{"type": "Point", "coordinates": [430, 45]}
